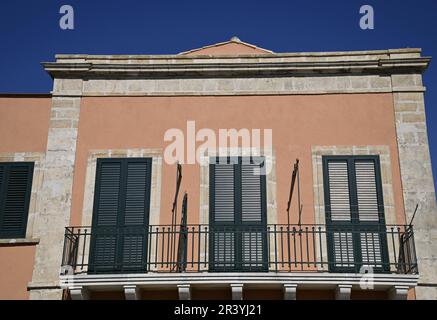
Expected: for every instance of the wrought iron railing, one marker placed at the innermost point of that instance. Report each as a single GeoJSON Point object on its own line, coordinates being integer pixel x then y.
{"type": "Point", "coordinates": [274, 248]}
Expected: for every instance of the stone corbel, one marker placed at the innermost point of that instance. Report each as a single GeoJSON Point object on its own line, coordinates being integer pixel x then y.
{"type": "Point", "coordinates": [343, 292]}
{"type": "Point", "coordinates": [132, 293]}
{"type": "Point", "coordinates": [237, 291]}
{"type": "Point", "coordinates": [79, 293]}
{"type": "Point", "coordinates": [184, 291]}
{"type": "Point", "coordinates": [290, 290]}
{"type": "Point", "coordinates": [398, 293]}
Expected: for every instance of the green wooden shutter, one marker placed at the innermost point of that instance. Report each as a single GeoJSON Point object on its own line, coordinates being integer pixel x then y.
{"type": "Point", "coordinates": [355, 213]}
{"type": "Point", "coordinates": [339, 208]}
{"type": "Point", "coordinates": [15, 190]}
{"type": "Point", "coordinates": [370, 211]}
{"type": "Point", "coordinates": [136, 214]}
{"type": "Point", "coordinates": [222, 214]}
{"type": "Point", "coordinates": [121, 214]}
{"type": "Point", "coordinates": [253, 214]}
{"type": "Point", "coordinates": [105, 234]}
{"type": "Point", "coordinates": [237, 214]}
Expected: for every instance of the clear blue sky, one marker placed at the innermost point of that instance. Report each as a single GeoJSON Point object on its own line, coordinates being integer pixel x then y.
{"type": "Point", "coordinates": [30, 33]}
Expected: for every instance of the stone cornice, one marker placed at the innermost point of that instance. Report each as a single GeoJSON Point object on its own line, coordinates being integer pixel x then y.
{"type": "Point", "coordinates": [361, 62]}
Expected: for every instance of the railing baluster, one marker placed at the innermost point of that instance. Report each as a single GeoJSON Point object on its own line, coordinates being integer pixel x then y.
{"type": "Point", "coordinates": [149, 250]}
{"type": "Point", "coordinates": [198, 250]}
{"type": "Point", "coordinates": [308, 248]}
{"type": "Point", "coordinates": [276, 250]}
{"type": "Point", "coordinates": [83, 250]}
{"type": "Point", "coordinates": [294, 245]}
{"type": "Point", "coordinates": [268, 248]}
{"type": "Point", "coordinates": [301, 248]}
{"type": "Point", "coordinates": [192, 247]}
{"type": "Point", "coordinates": [313, 232]}
{"type": "Point", "coordinates": [401, 251]}
{"type": "Point", "coordinates": [321, 247]}
{"type": "Point", "coordinates": [282, 247]}
{"type": "Point", "coordinates": [394, 246]}
{"type": "Point", "coordinates": [288, 248]}
{"type": "Point", "coordinates": [206, 246]}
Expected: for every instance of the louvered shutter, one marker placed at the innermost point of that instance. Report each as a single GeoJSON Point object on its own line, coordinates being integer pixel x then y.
{"type": "Point", "coordinates": [224, 193]}
{"type": "Point", "coordinates": [369, 212]}
{"type": "Point", "coordinates": [15, 190]}
{"type": "Point", "coordinates": [252, 200]}
{"type": "Point", "coordinates": [238, 214]}
{"type": "Point", "coordinates": [355, 217]}
{"type": "Point", "coordinates": [105, 234]}
{"type": "Point", "coordinates": [339, 211]}
{"type": "Point", "coordinates": [340, 208]}
{"type": "Point", "coordinates": [222, 173]}
{"type": "Point", "coordinates": [367, 196]}
{"type": "Point", "coordinates": [121, 211]}
{"type": "Point", "coordinates": [135, 214]}
{"type": "Point", "coordinates": [251, 197]}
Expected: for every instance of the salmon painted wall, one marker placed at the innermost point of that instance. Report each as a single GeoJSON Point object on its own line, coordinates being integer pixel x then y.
{"type": "Point", "coordinates": [24, 124]}
{"type": "Point", "coordinates": [298, 122]}
{"type": "Point", "coordinates": [16, 267]}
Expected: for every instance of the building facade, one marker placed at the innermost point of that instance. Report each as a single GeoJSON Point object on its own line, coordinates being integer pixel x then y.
{"type": "Point", "coordinates": [225, 172]}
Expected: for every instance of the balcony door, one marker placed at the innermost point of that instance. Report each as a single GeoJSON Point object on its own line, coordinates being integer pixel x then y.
{"type": "Point", "coordinates": [238, 219]}
{"type": "Point", "coordinates": [355, 221]}
{"type": "Point", "coordinates": [120, 215]}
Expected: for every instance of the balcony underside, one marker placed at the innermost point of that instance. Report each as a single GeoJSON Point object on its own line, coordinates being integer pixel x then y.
{"type": "Point", "coordinates": [397, 285]}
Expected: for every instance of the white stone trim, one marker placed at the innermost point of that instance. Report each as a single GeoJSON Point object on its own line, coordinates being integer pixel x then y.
{"type": "Point", "coordinates": [417, 179]}
{"type": "Point", "coordinates": [155, 192]}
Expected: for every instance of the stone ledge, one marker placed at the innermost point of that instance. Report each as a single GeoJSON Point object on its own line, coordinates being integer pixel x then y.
{"type": "Point", "coordinates": [18, 242]}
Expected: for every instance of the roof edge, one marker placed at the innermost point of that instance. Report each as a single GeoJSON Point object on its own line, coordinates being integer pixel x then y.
{"type": "Point", "coordinates": [273, 54]}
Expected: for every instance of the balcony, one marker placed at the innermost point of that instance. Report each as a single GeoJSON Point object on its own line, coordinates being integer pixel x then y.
{"type": "Point", "coordinates": [199, 248]}
{"type": "Point", "coordinates": [304, 254]}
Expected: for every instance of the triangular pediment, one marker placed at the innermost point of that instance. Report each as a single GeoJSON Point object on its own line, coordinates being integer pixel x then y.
{"type": "Point", "coordinates": [232, 47]}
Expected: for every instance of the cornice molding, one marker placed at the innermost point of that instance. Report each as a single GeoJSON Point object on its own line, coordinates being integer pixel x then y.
{"type": "Point", "coordinates": [79, 66]}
